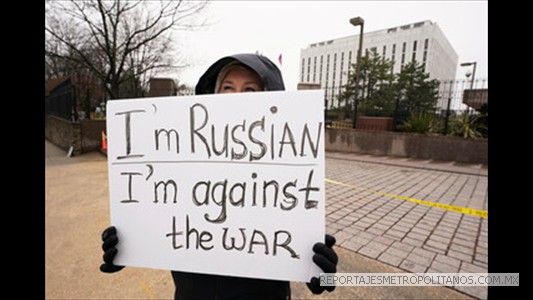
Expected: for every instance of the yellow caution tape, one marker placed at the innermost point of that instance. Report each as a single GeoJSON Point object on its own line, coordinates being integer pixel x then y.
{"type": "Point", "coordinates": [464, 210]}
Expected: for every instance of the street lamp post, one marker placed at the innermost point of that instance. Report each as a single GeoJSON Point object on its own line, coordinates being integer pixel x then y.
{"type": "Point", "coordinates": [466, 64]}
{"type": "Point", "coordinates": [357, 21]}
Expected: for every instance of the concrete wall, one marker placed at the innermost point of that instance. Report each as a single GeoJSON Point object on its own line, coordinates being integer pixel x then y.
{"type": "Point", "coordinates": [84, 136]}
{"type": "Point", "coordinates": [91, 134]}
{"type": "Point", "coordinates": [446, 148]}
{"type": "Point", "coordinates": [162, 87]}
{"type": "Point", "coordinates": [63, 133]}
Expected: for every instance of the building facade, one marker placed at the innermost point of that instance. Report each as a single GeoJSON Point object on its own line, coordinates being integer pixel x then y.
{"type": "Point", "coordinates": [328, 63]}
{"type": "Point", "coordinates": [161, 87]}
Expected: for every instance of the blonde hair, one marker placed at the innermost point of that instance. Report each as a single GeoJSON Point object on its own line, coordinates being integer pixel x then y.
{"type": "Point", "coordinates": [226, 69]}
{"type": "Point", "coordinates": [223, 72]}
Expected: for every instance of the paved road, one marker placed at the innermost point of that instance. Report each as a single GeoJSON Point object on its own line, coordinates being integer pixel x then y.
{"type": "Point", "coordinates": [383, 212]}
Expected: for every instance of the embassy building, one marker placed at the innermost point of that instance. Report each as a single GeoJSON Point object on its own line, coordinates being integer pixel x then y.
{"type": "Point", "coordinates": [328, 63]}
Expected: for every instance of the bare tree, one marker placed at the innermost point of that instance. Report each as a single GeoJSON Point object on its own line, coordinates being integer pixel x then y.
{"type": "Point", "coordinates": [118, 41]}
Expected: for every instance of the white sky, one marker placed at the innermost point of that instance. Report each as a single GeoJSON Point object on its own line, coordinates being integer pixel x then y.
{"type": "Point", "coordinates": [286, 27]}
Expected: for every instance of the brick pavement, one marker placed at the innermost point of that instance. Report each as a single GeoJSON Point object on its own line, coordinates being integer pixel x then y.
{"type": "Point", "coordinates": [406, 235]}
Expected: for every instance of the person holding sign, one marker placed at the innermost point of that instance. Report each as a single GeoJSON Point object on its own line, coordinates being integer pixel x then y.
{"type": "Point", "coordinates": [238, 73]}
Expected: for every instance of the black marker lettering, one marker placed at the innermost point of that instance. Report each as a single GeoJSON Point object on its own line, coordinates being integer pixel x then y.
{"type": "Point", "coordinates": [253, 241]}
{"type": "Point", "coordinates": [130, 186]}
{"type": "Point", "coordinates": [195, 131]}
{"type": "Point", "coordinates": [313, 146]}
{"type": "Point", "coordinates": [127, 133]}
{"type": "Point", "coordinates": [263, 194]}
{"type": "Point", "coordinates": [157, 132]}
{"type": "Point", "coordinates": [254, 190]}
{"type": "Point", "coordinates": [244, 152]}
{"type": "Point", "coordinates": [165, 185]}
{"type": "Point", "coordinates": [272, 141]}
{"type": "Point", "coordinates": [308, 189]}
{"type": "Point", "coordinates": [273, 110]}
{"type": "Point", "coordinates": [287, 132]}
{"type": "Point", "coordinates": [206, 194]}
{"type": "Point", "coordinates": [222, 202]}
{"type": "Point", "coordinates": [262, 146]}
{"type": "Point", "coordinates": [233, 246]}
{"type": "Point", "coordinates": [285, 244]}
{"type": "Point", "coordinates": [232, 198]}
{"type": "Point", "coordinates": [266, 184]}
{"type": "Point", "coordinates": [201, 237]}
{"type": "Point", "coordinates": [224, 144]}
{"type": "Point", "coordinates": [290, 199]}
{"type": "Point", "coordinates": [174, 233]}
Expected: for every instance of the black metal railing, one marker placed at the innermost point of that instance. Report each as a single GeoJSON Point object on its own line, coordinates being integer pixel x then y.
{"type": "Point", "coordinates": [457, 101]}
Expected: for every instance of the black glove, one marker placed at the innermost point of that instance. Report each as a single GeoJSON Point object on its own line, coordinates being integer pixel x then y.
{"type": "Point", "coordinates": [326, 258]}
{"type": "Point", "coordinates": [110, 240]}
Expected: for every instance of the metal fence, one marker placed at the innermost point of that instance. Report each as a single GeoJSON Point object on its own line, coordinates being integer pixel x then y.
{"type": "Point", "coordinates": [456, 98]}
{"type": "Point", "coordinates": [60, 102]}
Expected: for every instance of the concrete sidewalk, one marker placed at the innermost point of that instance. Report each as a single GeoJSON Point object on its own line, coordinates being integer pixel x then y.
{"type": "Point", "coordinates": [375, 233]}
{"type": "Point", "coordinates": [413, 215]}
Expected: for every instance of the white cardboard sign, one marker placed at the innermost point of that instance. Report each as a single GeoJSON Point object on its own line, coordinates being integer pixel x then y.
{"type": "Point", "coordinates": [229, 184]}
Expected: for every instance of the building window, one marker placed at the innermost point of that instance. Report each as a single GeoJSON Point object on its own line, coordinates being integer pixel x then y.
{"type": "Point", "coordinates": [327, 70]}
{"type": "Point", "coordinates": [314, 69]}
{"type": "Point", "coordinates": [320, 74]}
{"type": "Point", "coordinates": [425, 55]}
{"type": "Point", "coordinates": [334, 67]}
{"type": "Point", "coordinates": [404, 47]}
{"type": "Point", "coordinates": [393, 55]}
{"type": "Point", "coordinates": [384, 52]}
{"type": "Point", "coordinates": [303, 69]}
{"type": "Point", "coordinates": [342, 67]}
{"type": "Point", "coordinates": [414, 52]}
{"type": "Point", "coordinates": [308, 69]}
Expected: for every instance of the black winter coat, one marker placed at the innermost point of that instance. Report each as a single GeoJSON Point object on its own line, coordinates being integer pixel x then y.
{"type": "Point", "coordinates": [204, 286]}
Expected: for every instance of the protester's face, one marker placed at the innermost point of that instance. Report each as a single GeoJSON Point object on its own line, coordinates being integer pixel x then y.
{"type": "Point", "coordinates": [241, 80]}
